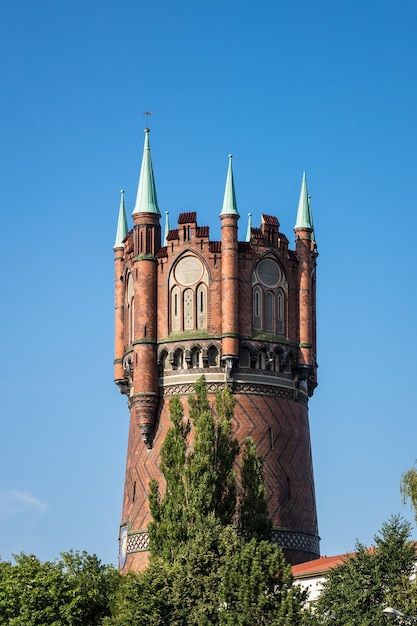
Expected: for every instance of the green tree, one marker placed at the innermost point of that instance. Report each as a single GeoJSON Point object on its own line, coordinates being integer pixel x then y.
{"type": "Point", "coordinates": [257, 588]}
{"type": "Point", "coordinates": [199, 572]}
{"type": "Point", "coordinates": [253, 512]}
{"type": "Point", "coordinates": [200, 478]}
{"type": "Point", "coordinates": [355, 592]}
{"type": "Point", "coordinates": [169, 527]}
{"type": "Point", "coordinates": [143, 598]}
{"type": "Point", "coordinates": [408, 488]}
{"type": "Point", "coordinates": [89, 586]}
{"type": "Point", "coordinates": [71, 591]}
{"type": "Point", "coordinates": [205, 569]}
{"type": "Point", "coordinates": [216, 579]}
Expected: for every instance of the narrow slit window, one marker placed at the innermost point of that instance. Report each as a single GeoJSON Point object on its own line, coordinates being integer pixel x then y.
{"type": "Point", "coordinates": [280, 312]}
{"type": "Point", "coordinates": [201, 297]}
{"type": "Point", "coordinates": [269, 312]}
{"type": "Point", "coordinates": [257, 308]}
{"type": "Point", "coordinates": [175, 309]}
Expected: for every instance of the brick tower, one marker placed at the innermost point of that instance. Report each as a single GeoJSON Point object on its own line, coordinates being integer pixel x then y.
{"type": "Point", "coordinates": [242, 313]}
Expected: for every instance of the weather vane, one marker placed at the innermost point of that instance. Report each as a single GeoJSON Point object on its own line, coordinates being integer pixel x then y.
{"type": "Point", "coordinates": [147, 113]}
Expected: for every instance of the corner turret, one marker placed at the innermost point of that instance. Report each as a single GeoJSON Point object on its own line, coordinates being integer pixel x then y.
{"type": "Point", "coordinates": [119, 334]}
{"type": "Point", "coordinates": [306, 252]}
{"type": "Point", "coordinates": [230, 275]}
{"type": "Point", "coordinates": [144, 397]}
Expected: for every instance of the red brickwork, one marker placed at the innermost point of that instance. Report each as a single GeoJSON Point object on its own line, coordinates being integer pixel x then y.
{"type": "Point", "coordinates": [194, 308]}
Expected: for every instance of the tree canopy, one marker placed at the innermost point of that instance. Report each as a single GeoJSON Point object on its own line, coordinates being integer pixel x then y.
{"type": "Point", "coordinates": [198, 460]}
{"type": "Point", "coordinates": [74, 590]}
{"type": "Point", "coordinates": [408, 488]}
{"type": "Point", "coordinates": [216, 578]}
{"type": "Point", "coordinates": [210, 561]}
{"type": "Point", "coordinates": [355, 592]}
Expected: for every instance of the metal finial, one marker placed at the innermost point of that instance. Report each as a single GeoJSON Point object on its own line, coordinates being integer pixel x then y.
{"type": "Point", "coordinates": [147, 113]}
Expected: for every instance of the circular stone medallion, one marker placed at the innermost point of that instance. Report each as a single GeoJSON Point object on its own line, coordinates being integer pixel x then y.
{"type": "Point", "coordinates": [188, 271]}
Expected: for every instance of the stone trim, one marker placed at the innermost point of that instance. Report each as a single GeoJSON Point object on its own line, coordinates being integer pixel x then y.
{"type": "Point", "coordinates": [187, 387]}
{"type": "Point", "coordinates": [287, 539]}
{"type": "Point", "coordinates": [137, 541]}
{"type": "Point", "coordinates": [296, 540]}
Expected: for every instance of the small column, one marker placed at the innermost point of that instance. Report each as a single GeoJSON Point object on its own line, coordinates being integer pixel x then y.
{"type": "Point", "coordinates": [230, 275]}
{"type": "Point", "coordinates": [305, 251]}
{"type": "Point", "coordinates": [119, 289]}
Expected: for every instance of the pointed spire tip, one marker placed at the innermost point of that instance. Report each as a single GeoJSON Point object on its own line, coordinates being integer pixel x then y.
{"type": "Point", "coordinates": [229, 201]}
{"type": "Point", "coordinates": [304, 217]}
{"type": "Point", "coordinates": [122, 227]}
{"type": "Point", "coordinates": [146, 200]}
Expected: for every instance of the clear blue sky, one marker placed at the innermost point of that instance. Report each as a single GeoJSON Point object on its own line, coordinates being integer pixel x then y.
{"type": "Point", "coordinates": [327, 87]}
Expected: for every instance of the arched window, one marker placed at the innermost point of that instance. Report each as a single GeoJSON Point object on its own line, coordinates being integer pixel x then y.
{"type": "Point", "coordinates": [195, 357]}
{"type": "Point", "coordinates": [178, 359]}
{"type": "Point", "coordinates": [213, 357]}
{"type": "Point", "coordinates": [189, 293]}
{"type": "Point", "coordinates": [269, 288]}
{"type": "Point", "coordinates": [201, 306]}
{"type": "Point", "coordinates": [163, 362]}
{"type": "Point", "coordinates": [280, 312]}
{"type": "Point", "coordinates": [188, 309]}
{"type": "Point", "coordinates": [244, 358]}
{"type": "Point", "coordinates": [257, 308]}
{"type": "Point", "coordinates": [269, 312]}
{"type": "Point", "coordinates": [175, 309]}
{"type": "Point", "coordinates": [262, 359]}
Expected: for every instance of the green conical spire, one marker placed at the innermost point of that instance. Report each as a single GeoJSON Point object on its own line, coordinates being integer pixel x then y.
{"type": "Point", "coordinates": [121, 222]}
{"type": "Point", "coordinates": [146, 200]}
{"type": "Point", "coordinates": [249, 230]}
{"type": "Point", "coordinates": [166, 227]}
{"type": "Point", "coordinates": [304, 219]}
{"type": "Point", "coordinates": [229, 202]}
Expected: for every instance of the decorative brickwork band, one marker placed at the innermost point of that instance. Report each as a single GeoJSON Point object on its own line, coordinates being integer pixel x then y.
{"type": "Point", "coordinates": [286, 539]}
{"type": "Point", "coordinates": [298, 541]}
{"type": "Point", "coordinates": [145, 407]}
{"type": "Point", "coordinates": [188, 388]}
{"type": "Point", "coordinates": [245, 388]}
{"type": "Point", "coordinates": [138, 542]}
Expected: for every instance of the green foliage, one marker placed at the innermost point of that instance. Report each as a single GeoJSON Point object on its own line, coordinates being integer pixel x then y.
{"type": "Point", "coordinates": [198, 574]}
{"type": "Point", "coordinates": [170, 524]}
{"type": "Point", "coordinates": [253, 512]}
{"type": "Point", "coordinates": [257, 588]}
{"type": "Point", "coordinates": [200, 479]}
{"type": "Point", "coordinates": [144, 598]}
{"type": "Point", "coordinates": [408, 488]}
{"type": "Point", "coordinates": [204, 571]}
{"type": "Point", "coordinates": [355, 592]}
{"type": "Point", "coordinates": [73, 590]}
{"type": "Point", "coordinates": [215, 579]}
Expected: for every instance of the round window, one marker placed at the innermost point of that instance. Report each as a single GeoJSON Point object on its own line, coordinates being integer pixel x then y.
{"type": "Point", "coordinates": [269, 273]}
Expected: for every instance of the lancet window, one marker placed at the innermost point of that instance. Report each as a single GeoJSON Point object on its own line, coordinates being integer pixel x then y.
{"type": "Point", "coordinates": [188, 283]}
{"type": "Point", "coordinates": [269, 290]}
